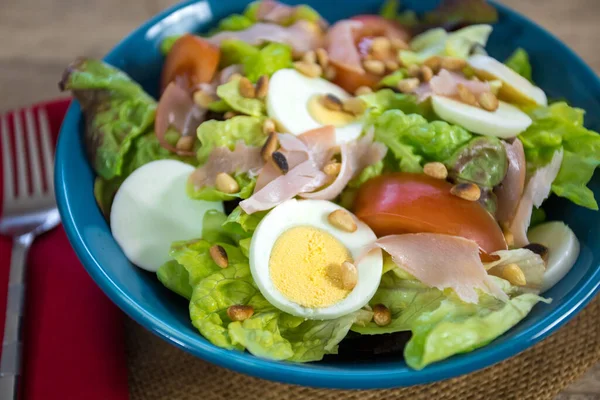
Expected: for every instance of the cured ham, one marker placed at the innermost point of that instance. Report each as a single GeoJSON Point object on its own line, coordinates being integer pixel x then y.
{"type": "Point", "coordinates": [356, 155]}
{"type": "Point", "coordinates": [302, 36]}
{"type": "Point", "coordinates": [274, 11]}
{"type": "Point", "coordinates": [443, 262]}
{"type": "Point", "coordinates": [341, 45]}
{"type": "Point", "coordinates": [446, 84]}
{"type": "Point", "coordinates": [242, 159]}
{"type": "Point", "coordinates": [537, 190]}
{"type": "Point", "coordinates": [511, 189]}
{"type": "Point", "coordinates": [177, 109]}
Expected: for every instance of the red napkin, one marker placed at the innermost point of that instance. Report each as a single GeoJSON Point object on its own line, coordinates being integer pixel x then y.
{"type": "Point", "coordinates": [74, 337]}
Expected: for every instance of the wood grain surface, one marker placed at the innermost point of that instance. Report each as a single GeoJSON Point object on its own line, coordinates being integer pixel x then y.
{"type": "Point", "coordinates": [40, 37]}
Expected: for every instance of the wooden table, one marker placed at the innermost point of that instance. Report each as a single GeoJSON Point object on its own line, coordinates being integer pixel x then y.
{"type": "Point", "coordinates": [39, 38]}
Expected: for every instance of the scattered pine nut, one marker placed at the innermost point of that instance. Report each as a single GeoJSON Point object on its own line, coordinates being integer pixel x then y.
{"type": "Point", "coordinates": [426, 73]}
{"type": "Point", "coordinates": [262, 87]}
{"type": "Point", "coordinates": [488, 101]}
{"type": "Point", "coordinates": [349, 275]}
{"type": "Point", "coordinates": [333, 168]}
{"type": "Point", "coordinates": [436, 170]}
{"type": "Point", "coordinates": [391, 65]}
{"type": "Point", "coordinates": [240, 312]}
{"type": "Point", "coordinates": [247, 88]}
{"type": "Point", "coordinates": [330, 72]}
{"type": "Point", "coordinates": [268, 126]}
{"type": "Point", "coordinates": [414, 71]}
{"type": "Point", "coordinates": [354, 105]}
{"type": "Point", "coordinates": [435, 63]}
{"type": "Point", "coordinates": [453, 63]}
{"type": "Point", "coordinates": [269, 147]}
{"type": "Point", "coordinates": [219, 255]}
{"type": "Point", "coordinates": [332, 102]}
{"type": "Point", "coordinates": [380, 47]}
{"type": "Point", "coordinates": [465, 95]}
{"type": "Point", "coordinates": [322, 58]}
{"type": "Point", "coordinates": [234, 76]}
{"type": "Point", "coordinates": [363, 90]}
{"type": "Point", "coordinates": [539, 249]}
{"type": "Point", "coordinates": [185, 143]}
{"type": "Point", "coordinates": [399, 44]}
{"type": "Point", "coordinates": [381, 315]}
{"type": "Point", "coordinates": [230, 114]}
{"type": "Point", "coordinates": [408, 85]}
{"type": "Point", "coordinates": [467, 191]}
{"type": "Point", "coordinates": [203, 98]}
{"type": "Point", "coordinates": [508, 237]}
{"type": "Point", "coordinates": [280, 162]}
{"type": "Point", "coordinates": [308, 69]}
{"type": "Point", "coordinates": [342, 219]}
{"type": "Point", "coordinates": [226, 184]}
{"type": "Point", "coordinates": [374, 66]}
{"type": "Point", "coordinates": [514, 274]}
{"type": "Point", "coordinates": [309, 57]}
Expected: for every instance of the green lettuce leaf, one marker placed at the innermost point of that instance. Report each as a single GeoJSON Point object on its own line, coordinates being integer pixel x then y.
{"type": "Point", "coordinates": [301, 12]}
{"type": "Point", "coordinates": [557, 127]}
{"type": "Point", "coordinates": [412, 140]}
{"type": "Point", "coordinates": [241, 224]}
{"type": "Point", "coordinates": [230, 94]}
{"type": "Point", "coordinates": [211, 193]}
{"type": "Point", "coordinates": [386, 99]}
{"type": "Point", "coordinates": [392, 79]}
{"type": "Point", "coordinates": [235, 51]}
{"type": "Point", "coordinates": [462, 12]}
{"type": "Point", "coordinates": [167, 44]}
{"type": "Point", "coordinates": [261, 336]}
{"type": "Point", "coordinates": [367, 173]}
{"type": "Point", "coordinates": [389, 9]}
{"type": "Point", "coordinates": [176, 278]}
{"type": "Point", "coordinates": [234, 22]}
{"type": "Point", "coordinates": [227, 133]}
{"type": "Point", "coordinates": [116, 109]}
{"type": "Point", "coordinates": [267, 61]}
{"type": "Point", "coordinates": [519, 62]}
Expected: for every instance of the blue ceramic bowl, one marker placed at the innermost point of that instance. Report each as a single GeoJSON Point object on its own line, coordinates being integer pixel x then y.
{"type": "Point", "coordinates": [556, 69]}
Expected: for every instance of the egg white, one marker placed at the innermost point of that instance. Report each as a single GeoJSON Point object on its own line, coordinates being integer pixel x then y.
{"type": "Point", "coordinates": [314, 213]}
{"type": "Point", "coordinates": [287, 103]}
{"type": "Point", "coordinates": [151, 210]}
{"type": "Point", "coordinates": [506, 122]}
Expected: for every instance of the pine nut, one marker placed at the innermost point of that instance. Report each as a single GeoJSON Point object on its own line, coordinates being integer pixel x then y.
{"type": "Point", "coordinates": [381, 315]}
{"type": "Point", "coordinates": [330, 72]}
{"type": "Point", "coordinates": [185, 143]}
{"type": "Point", "coordinates": [349, 275]}
{"type": "Point", "coordinates": [363, 90]}
{"type": "Point", "coordinates": [342, 219]}
{"type": "Point", "coordinates": [203, 98]}
{"type": "Point", "coordinates": [308, 69]}
{"type": "Point", "coordinates": [269, 147]}
{"type": "Point", "coordinates": [332, 102]}
{"type": "Point", "coordinates": [539, 249]}
{"type": "Point", "coordinates": [488, 101]}
{"type": "Point", "coordinates": [508, 237]}
{"type": "Point", "coordinates": [426, 73]}
{"type": "Point", "coordinates": [219, 255]}
{"type": "Point", "coordinates": [333, 168]}
{"type": "Point", "coordinates": [408, 85]}
{"type": "Point", "coordinates": [374, 66]}
{"type": "Point", "coordinates": [436, 170]}
{"type": "Point", "coordinates": [247, 88]}
{"type": "Point", "coordinates": [322, 58]}
{"type": "Point", "coordinates": [514, 274]}
{"type": "Point", "coordinates": [234, 76]}
{"type": "Point", "coordinates": [309, 57]}
{"type": "Point", "coordinates": [414, 71]}
{"type": "Point", "coordinates": [226, 184]}
{"type": "Point", "coordinates": [380, 47]}
{"type": "Point", "coordinates": [435, 63]}
{"type": "Point", "coordinates": [240, 312]}
{"type": "Point", "coordinates": [354, 105]}
{"type": "Point", "coordinates": [465, 95]}
{"type": "Point", "coordinates": [280, 162]}
{"type": "Point", "coordinates": [467, 191]}
{"type": "Point", "coordinates": [269, 126]}
{"type": "Point", "coordinates": [453, 63]}
{"type": "Point", "coordinates": [391, 65]}
{"type": "Point", "coordinates": [262, 87]}
{"type": "Point", "coordinates": [399, 44]}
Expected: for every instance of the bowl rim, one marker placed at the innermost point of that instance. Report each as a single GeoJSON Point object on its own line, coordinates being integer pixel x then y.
{"type": "Point", "coordinates": [293, 373]}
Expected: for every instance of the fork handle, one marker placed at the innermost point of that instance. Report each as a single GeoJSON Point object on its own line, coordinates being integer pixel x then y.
{"type": "Point", "coordinates": [10, 363]}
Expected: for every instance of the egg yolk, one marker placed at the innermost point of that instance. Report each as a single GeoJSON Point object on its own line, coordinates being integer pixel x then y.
{"type": "Point", "coordinates": [325, 116]}
{"type": "Point", "coordinates": [304, 267]}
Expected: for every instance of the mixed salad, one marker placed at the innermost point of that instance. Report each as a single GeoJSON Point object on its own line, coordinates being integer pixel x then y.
{"type": "Point", "coordinates": [306, 184]}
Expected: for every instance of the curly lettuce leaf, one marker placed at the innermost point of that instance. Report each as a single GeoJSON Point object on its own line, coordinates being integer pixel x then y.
{"type": "Point", "coordinates": [389, 9]}
{"type": "Point", "coordinates": [234, 22]}
{"type": "Point", "coordinates": [300, 12]}
{"type": "Point", "coordinates": [116, 109]}
{"type": "Point", "coordinates": [234, 51]}
{"type": "Point", "coordinates": [413, 140]}
{"type": "Point", "coordinates": [386, 99]}
{"type": "Point", "coordinates": [211, 193]}
{"type": "Point", "coordinates": [393, 79]}
{"type": "Point", "coordinates": [519, 62]}
{"type": "Point", "coordinates": [227, 133]}
{"type": "Point", "coordinates": [230, 93]}
{"type": "Point", "coordinates": [367, 173]}
{"type": "Point", "coordinates": [261, 336]}
{"type": "Point", "coordinates": [462, 12]}
{"type": "Point", "coordinates": [240, 223]}
{"type": "Point", "coordinates": [175, 278]}
{"type": "Point", "coordinates": [267, 61]}
{"type": "Point", "coordinates": [557, 127]}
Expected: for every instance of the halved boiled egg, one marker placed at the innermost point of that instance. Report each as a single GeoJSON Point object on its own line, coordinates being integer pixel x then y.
{"type": "Point", "coordinates": [151, 210]}
{"type": "Point", "coordinates": [506, 122]}
{"type": "Point", "coordinates": [298, 254]}
{"type": "Point", "coordinates": [563, 250]}
{"type": "Point", "coordinates": [515, 88]}
{"type": "Point", "coordinates": [295, 101]}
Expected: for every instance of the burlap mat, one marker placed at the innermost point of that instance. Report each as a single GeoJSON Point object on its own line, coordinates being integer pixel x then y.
{"type": "Point", "coordinates": [158, 370]}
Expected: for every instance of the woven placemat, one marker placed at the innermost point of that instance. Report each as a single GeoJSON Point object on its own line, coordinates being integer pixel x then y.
{"type": "Point", "coordinates": [158, 370]}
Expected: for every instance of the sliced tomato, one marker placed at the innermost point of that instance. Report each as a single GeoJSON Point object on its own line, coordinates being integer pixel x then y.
{"type": "Point", "coordinates": [411, 203]}
{"type": "Point", "coordinates": [351, 80]}
{"type": "Point", "coordinates": [375, 25]}
{"type": "Point", "coordinates": [192, 60]}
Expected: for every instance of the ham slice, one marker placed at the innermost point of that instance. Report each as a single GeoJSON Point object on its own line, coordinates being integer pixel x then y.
{"type": "Point", "coordinates": [443, 262]}
{"type": "Point", "coordinates": [446, 84]}
{"type": "Point", "coordinates": [302, 36]}
{"type": "Point", "coordinates": [274, 11]}
{"type": "Point", "coordinates": [242, 159]}
{"type": "Point", "coordinates": [341, 45]}
{"type": "Point", "coordinates": [356, 155]}
{"type": "Point", "coordinates": [537, 190]}
{"type": "Point", "coordinates": [511, 189]}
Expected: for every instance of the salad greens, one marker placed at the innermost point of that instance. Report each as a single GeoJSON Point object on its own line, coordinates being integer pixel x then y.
{"type": "Point", "coordinates": [256, 61]}
{"type": "Point", "coordinates": [519, 62]}
{"type": "Point", "coordinates": [213, 134]}
{"type": "Point", "coordinates": [230, 94]}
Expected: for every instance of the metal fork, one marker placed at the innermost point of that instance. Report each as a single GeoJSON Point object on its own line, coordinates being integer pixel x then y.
{"type": "Point", "coordinates": [25, 214]}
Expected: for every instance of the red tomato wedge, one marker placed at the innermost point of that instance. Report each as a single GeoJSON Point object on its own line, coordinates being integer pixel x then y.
{"type": "Point", "coordinates": [191, 59]}
{"type": "Point", "coordinates": [375, 25]}
{"type": "Point", "coordinates": [411, 203]}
